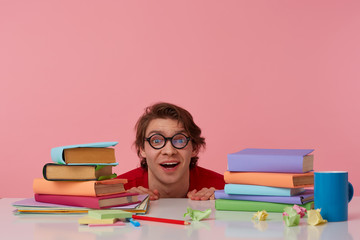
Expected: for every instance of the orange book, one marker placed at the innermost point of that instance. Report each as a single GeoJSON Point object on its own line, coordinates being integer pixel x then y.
{"type": "Point", "coordinates": [82, 188]}
{"type": "Point", "coordinates": [271, 179]}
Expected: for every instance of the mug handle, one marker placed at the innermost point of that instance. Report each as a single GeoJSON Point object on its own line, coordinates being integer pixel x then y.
{"type": "Point", "coordinates": [351, 191]}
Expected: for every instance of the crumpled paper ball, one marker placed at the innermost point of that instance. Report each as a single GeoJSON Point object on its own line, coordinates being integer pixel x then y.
{"type": "Point", "coordinates": [300, 210]}
{"type": "Point", "coordinates": [291, 217]}
{"type": "Point", "coordinates": [260, 215]}
{"type": "Point", "coordinates": [315, 218]}
{"type": "Point", "coordinates": [197, 215]}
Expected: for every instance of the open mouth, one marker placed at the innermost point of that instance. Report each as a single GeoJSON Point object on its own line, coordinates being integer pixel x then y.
{"type": "Point", "coordinates": [169, 165]}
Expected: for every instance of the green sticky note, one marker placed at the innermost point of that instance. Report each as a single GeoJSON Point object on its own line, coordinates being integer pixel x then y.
{"type": "Point", "coordinates": [114, 175]}
{"type": "Point", "coordinates": [109, 213]}
{"type": "Point", "coordinates": [98, 167]}
{"type": "Point", "coordinates": [197, 215]}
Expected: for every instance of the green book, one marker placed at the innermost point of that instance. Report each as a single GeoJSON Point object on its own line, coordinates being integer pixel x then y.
{"type": "Point", "coordinates": [254, 206]}
{"type": "Point", "coordinates": [110, 213]}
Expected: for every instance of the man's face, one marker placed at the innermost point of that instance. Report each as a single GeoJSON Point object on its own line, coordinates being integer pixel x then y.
{"type": "Point", "coordinates": [167, 165]}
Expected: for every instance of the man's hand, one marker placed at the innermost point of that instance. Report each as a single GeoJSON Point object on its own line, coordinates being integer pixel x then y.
{"type": "Point", "coordinates": [203, 194]}
{"type": "Point", "coordinates": [153, 194]}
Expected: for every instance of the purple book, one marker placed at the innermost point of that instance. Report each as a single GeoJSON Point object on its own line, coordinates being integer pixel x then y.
{"type": "Point", "coordinates": [303, 198]}
{"type": "Point", "coordinates": [271, 160]}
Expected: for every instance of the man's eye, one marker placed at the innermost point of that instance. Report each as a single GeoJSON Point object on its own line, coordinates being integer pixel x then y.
{"type": "Point", "coordinates": [157, 141]}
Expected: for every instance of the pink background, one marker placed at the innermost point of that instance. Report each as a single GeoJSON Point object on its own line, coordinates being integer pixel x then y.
{"type": "Point", "coordinates": [272, 74]}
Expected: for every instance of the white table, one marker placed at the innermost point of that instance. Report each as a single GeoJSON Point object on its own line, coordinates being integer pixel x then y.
{"type": "Point", "coordinates": [220, 225]}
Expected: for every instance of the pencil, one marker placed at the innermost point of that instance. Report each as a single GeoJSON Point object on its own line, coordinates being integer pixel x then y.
{"type": "Point", "coordinates": [164, 220]}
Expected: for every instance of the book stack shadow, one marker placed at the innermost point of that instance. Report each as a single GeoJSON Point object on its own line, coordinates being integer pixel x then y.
{"type": "Point", "coordinates": [82, 176]}
{"type": "Point", "coordinates": [267, 179]}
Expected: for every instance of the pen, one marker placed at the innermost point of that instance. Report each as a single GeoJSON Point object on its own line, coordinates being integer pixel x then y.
{"type": "Point", "coordinates": [164, 220]}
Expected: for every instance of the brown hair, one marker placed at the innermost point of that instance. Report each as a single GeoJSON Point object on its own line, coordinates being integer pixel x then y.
{"type": "Point", "coordinates": [171, 111]}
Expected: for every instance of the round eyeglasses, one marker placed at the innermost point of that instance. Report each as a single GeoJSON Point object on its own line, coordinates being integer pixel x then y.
{"type": "Point", "coordinates": [158, 141]}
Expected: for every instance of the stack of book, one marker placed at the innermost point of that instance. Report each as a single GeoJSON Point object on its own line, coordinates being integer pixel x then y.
{"type": "Point", "coordinates": [267, 179]}
{"type": "Point", "coordinates": [82, 176]}
{"type": "Point", "coordinates": [29, 205]}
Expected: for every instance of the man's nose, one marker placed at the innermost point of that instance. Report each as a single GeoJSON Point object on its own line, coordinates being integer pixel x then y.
{"type": "Point", "coordinates": [168, 148]}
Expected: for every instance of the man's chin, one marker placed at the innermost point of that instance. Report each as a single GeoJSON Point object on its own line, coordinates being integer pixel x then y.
{"type": "Point", "coordinates": [169, 180]}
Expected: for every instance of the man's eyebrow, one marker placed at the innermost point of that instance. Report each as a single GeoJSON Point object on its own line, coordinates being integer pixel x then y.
{"type": "Point", "coordinates": [162, 133]}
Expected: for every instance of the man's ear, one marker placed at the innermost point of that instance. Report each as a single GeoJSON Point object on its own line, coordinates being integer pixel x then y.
{"type": "Point", "coordinates": [142, 152]}
{"type": "Point", "coordinates": [194, 152]}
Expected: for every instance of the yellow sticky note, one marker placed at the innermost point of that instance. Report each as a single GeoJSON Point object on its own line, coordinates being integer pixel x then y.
{"type": "Point", "coordinates": [314, 217]}
{"type": "Point", "coordinates": [89, 220]}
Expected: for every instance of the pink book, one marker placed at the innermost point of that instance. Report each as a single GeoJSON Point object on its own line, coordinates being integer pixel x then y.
{"type": "Point", "coordinates": [114, 200]}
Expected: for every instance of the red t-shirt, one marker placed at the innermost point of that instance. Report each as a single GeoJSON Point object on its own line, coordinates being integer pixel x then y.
{"type": "Point", "coordinates": [199, 178]}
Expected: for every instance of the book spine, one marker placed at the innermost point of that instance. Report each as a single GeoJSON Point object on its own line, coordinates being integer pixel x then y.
{"type": "Point", "coordinates": [57, 152]}
{"type": "Point", "coordinates": [78, 201]}
{"type": "Point", "coordinates": [263, 179]}
{"type": "Point", "coordinates": [83, 188]}
{"type": "Point", "coordinates": [253, 206]}
{"type": "Point", "coordinates": [256, 190]}
{"type": "Point", "coordinates": [274, 199]}
{"type": "Point", "coordinates": [265, 163]}
{"type": "Point", "coordinates": [44, 171]}
{"type": "Point", "coordinates": [45, 175]}
{"type": "Point", "coordinates": [57, 155]}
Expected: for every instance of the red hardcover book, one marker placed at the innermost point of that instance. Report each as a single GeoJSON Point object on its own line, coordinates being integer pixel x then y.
{"type": "Point", "coordinates": [107, 201]}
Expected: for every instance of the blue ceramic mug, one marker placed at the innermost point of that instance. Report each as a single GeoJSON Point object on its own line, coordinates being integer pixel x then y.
{"type": "Point", "coordinates": [332, 193]}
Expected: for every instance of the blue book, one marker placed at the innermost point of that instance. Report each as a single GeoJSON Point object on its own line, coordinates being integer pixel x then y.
{"type": "Point", "coordinates": [271, 160]}
{"type": "Point", "coordinates": [98, 153]}
{"type": "Point", "coordinates": [303, 198]}
{"type": "Point", "coordinates": [243, 189]}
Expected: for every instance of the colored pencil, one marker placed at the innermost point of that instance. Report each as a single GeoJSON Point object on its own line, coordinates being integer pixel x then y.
{"type": "Point", "coordinates": [163, 220]}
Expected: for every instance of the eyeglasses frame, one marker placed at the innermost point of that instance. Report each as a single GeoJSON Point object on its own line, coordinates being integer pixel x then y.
{"type": "Point", "coordinates": [166, 139]}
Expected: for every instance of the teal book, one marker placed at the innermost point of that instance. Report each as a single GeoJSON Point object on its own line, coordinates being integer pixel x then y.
{"type": "Point", "coordinates": [99, 153]}
{"type": "Point", "coordinates": [254, 206]}
{"type": "Point", "coordinates": [243, 189]}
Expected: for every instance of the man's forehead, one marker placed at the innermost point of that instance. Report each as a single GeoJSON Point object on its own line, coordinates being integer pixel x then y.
{"type": "Point", "coordinates": [165, 125]}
